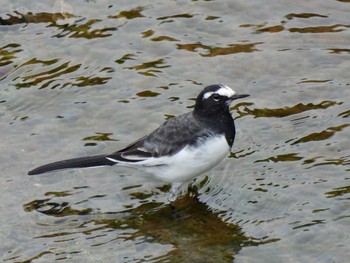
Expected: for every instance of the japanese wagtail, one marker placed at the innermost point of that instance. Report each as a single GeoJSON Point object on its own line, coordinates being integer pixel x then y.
{"type": "Point", "coordinates": [180, 149]}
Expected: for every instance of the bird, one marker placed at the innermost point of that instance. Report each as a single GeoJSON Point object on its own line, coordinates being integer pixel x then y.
{"type": "Point", "coordinates": [179, 150]}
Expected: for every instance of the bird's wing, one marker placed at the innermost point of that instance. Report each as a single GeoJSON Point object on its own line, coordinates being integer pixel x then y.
{"type": "Point", "coordinates": [130, 155]}
{"type": "Point", "coordinates": [168, 139]}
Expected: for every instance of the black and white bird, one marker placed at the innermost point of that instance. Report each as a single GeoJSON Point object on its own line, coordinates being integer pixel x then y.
{"type": "Point", "coordinates": [180, 149]}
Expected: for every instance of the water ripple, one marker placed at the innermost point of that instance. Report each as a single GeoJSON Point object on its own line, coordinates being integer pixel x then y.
{"type": "Point", "coordinates": [49, 74]}
{"type": "Point", "coordinates": [84, 30]}
{"type": "Point", "coordinates": [283, 112]}
{"type": "Point", "coordinates": [212, 51]}
{"type": "Point", "coordinates": [323, 135]}
{"type": "Point", "coordinates": [27, 18]}
{"type": "Point", "coordinates": [130, 14]}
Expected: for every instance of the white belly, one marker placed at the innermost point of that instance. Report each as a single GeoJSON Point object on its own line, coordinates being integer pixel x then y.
{"type": "Point", "coordinates": [189, 162]}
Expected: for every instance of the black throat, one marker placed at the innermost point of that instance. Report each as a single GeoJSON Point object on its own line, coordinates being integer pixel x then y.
{"type": "Point", "coordinates": [220, 122]}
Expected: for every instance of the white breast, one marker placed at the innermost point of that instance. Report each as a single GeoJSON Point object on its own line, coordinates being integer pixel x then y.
{"type": "Point", "coordinates": [189, 162]}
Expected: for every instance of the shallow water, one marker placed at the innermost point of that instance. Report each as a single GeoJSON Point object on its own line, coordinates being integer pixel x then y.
{"type": "Point", "coordinates": [91, 76]}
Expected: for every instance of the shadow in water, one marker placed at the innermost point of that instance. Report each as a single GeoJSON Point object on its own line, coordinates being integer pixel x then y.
{"type": "Point", "coordinates": [188, 229]}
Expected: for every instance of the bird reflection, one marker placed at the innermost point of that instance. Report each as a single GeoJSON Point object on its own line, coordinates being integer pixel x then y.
{"type": "Point", "coordinates": [195, 233]}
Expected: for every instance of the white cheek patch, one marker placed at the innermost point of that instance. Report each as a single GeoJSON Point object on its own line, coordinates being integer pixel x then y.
{"type": "Point", "coordinates": [223, 91]}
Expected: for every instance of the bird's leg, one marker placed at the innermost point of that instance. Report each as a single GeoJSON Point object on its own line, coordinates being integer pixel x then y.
{"type": "Point", "coordinates": [174, 212]}
{"type": "Point", "coordinates": [176, 190]}
{"type": "Point", "coordinates": [174, 193]}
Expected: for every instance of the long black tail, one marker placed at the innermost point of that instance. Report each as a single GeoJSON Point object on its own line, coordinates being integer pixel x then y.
{"type": "Point", "coordinates": [82, 162]}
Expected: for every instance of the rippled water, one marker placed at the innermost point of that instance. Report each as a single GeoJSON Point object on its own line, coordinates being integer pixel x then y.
{"type": "Point", "coordinates": [91, 76]}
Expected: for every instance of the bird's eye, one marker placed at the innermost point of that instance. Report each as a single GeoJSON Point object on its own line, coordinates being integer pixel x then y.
{"type": "Point", "coordinates": [216, 97]}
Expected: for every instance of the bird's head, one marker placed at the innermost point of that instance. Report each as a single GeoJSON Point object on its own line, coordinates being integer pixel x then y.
{"type": "Point", "coordinates": [215, 99]}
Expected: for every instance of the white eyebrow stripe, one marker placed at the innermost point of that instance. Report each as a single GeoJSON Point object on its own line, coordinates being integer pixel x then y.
{"type": "Point", "coordinates": [223, 91]}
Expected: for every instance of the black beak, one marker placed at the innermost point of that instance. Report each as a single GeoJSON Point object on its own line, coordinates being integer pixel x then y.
{"type": "Point", "coordinates": [238, 96]}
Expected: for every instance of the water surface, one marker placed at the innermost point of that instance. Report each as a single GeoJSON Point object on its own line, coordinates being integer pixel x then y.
{"type": "Point", "coordinates": [91, 76]}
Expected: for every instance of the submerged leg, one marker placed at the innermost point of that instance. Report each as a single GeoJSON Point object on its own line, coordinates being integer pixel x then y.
{"type": "Point", "coordinates": [174, 192]}
{"type": "Point", "coordinates": [177, 190]}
